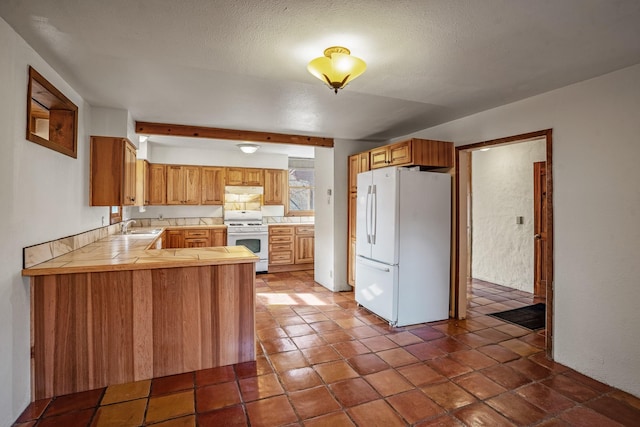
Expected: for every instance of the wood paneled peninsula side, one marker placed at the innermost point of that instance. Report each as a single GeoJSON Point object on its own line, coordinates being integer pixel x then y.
{"type": "Point", "coordinates": [116, 311]}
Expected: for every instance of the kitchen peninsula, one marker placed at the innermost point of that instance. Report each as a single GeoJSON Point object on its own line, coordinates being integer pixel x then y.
{"type": "Point", "coordinates": [116, 311]}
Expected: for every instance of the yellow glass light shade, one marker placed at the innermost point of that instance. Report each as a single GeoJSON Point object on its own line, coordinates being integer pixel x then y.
{"type": "Point", "coordinates": [337, 67]}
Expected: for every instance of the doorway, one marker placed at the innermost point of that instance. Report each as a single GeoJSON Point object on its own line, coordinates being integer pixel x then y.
{"type": "Point", "coordinates": [543, 246]}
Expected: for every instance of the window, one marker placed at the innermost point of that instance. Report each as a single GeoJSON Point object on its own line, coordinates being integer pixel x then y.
{"type": "Point", "coordinates": [301, 187]}
{"type": "Point", "coordinates": [115, 214]}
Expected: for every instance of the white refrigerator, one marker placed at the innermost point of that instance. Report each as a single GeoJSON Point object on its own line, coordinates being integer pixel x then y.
{"type": "Point", "coordinates": [403, 244]}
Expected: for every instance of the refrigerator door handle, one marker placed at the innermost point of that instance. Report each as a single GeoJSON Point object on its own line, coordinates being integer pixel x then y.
{"type": "Point", "coordinates": [367, 213]}
{"type": "Point", "coordinates": [374, 214]}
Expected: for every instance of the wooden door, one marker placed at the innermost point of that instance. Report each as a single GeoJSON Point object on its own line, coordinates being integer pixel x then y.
{"type": "Point", "coordinates": [540, 229]}
{"type": "Point", "coordinates": [379, 157]}
{"type": "Point", "coordinates": [175, 185]}
{"type": "Point", "coordinates": [212, 185]}
{"type": "Point", "coordinates": [219, 237]}
{"type": "Point", "coordinates": [175, 239]}
{"type": "Point", "coordinates": [400, 154]}
{"type": "Point", "coordinates": [129, 174]}
{"type": "Point", "coordinates": [191, 185]}
{"type": "Point", "coordinates": [354, 168]}
{"type": "Point", "coordinates": [253, 177]}
{"type": "Point", "coordinates": [304, 249]}
{"type": "Point", "coordinates": [157, 185]}
{"type": "Point", "coordinates": [274, 186]}
{"type": "Point", "coordinates": [363, 162]}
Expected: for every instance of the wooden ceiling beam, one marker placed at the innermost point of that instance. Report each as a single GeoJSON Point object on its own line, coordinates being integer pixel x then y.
{"type": "Point", "coordinates": [147, 128]}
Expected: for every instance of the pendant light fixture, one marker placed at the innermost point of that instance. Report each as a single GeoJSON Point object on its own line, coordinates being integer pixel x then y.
{"type": "Point", "coordinates": [337, 67]}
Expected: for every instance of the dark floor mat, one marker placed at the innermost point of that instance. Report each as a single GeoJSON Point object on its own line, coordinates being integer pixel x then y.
{"type": "Point", "coordinates": [530, 317]}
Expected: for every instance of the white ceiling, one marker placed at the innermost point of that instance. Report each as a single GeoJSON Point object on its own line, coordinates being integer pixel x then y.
{"type": "Point", "coordinates": [241, 64]}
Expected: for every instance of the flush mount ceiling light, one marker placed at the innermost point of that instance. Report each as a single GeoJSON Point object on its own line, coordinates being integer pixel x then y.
{"type": "Point", "coordinates": [337, 67]}
{"type": "Point", "coordinates": [248, 148]}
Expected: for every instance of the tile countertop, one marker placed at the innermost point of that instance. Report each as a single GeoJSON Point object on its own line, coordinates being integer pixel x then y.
{"type": "Point", "coordinates": [119, 252]}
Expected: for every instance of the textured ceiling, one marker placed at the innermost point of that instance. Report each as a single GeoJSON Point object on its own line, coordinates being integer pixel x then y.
{"type": "Point", "coordinates": [241, 64]}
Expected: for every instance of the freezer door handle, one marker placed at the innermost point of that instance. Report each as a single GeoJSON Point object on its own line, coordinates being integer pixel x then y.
{"type": "Point", "coordinates": [366, 262]}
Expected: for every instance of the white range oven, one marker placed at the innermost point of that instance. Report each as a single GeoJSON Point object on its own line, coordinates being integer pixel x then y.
{"type": "Point", "coordinates": [245, 228]}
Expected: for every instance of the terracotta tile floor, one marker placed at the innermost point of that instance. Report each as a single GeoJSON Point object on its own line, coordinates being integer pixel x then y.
{"type": "Point", "coordinates": [322, 361]}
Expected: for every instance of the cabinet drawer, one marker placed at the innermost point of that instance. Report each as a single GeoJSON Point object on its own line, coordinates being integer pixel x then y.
{"type": "Point", "coordinates": [284, 257]}
{"type": "Point", "coordinates": [305, 229]}
{"type": "Point", "coordinates": [281, 239]}
{"type": "Point", "coordinates": [280, 247]}
{"type": "Point", "coordinates": [196, 234]}
{"type": "Point", "coordinates": [280, 230]}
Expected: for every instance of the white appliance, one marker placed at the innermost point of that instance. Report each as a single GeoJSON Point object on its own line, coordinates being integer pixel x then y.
{"type": "Point", "coordinates": [403, 238]}
{"type": "Point", "coordinates": [245, 228]}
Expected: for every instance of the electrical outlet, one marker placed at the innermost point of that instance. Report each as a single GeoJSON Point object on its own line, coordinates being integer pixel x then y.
{"type": "Point", "coordinates": [159, 216]}
{"type": "Point", "coordinates": [103, 220]}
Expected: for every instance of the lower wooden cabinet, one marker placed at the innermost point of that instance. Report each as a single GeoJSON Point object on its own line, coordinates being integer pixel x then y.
{"type": "Point", "coordinates": [291, 247]}
{"type": "Point", "coordinates": [304, 245]}
{"type": "Point", "coordinates": [195, 238]}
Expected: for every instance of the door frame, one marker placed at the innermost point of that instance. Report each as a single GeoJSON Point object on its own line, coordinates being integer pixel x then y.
{"type": "Point", "coordinates": [462, 179]}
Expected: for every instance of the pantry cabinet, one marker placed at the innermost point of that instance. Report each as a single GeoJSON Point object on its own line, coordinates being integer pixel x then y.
{"type": "Point", "coordinates": [275, 186]}
{"type": "Point", "coordinates": [245, 176]}
{"type": "Point", "coordinates": [183, 185]}
{"type": "Point", "coordinates": [212, 185]}
{"type": "Point", "coordinates": [112, 172]}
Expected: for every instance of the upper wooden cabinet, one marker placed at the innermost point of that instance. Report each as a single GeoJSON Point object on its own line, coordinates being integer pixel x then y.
{"type": "Point", "coordinates": [414, 152]}
{"type": "Point", "coordinates": [183, 185]}
{"type": "Point", "coordinates": [213, 185]}
{"type": "Point", "coordinates": [357, 163]}
{"type": "Point", "coordinates": [244, 176]}
{"type": "Point", "coordinates": [157, 185]}
{"type": "Point", "coordinates": [113, 172]}
{"type": "Point", "coordinates": [275, 186]}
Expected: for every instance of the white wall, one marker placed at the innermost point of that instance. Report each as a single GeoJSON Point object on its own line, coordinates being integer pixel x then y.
{"type": "Point", "coordinates": [44, 195]}
{"type": "Point", "coordinates": [331, 214]}
{"type": "Point", "coordinates": [194, 156]}
{"type": "Point", "coordinates": [502, 185]}
{"type": "Point", "coordinates": [596, 215]}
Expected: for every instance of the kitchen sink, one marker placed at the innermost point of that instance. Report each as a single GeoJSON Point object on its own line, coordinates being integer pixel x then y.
{"type": "Point", "coordinates": [144, 231]}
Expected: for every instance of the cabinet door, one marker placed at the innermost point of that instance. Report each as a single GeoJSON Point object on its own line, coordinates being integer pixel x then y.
{"type": "Point", "coordinates": [234, 176]}
{"type": "Point", "coordinates": [253, 177]}
{"type": "Point", "coordinates": [400, 154]}
{"type": "Point", "coordinates": [175, 239]}
{"type": "Point", "coordinates": [354, 168]}
{"type": "Point", "coordinates": [212, 185]}
{"type": "Point", "coordinates": [192, 185]}
{"type": "Point", "coordinates": [157, 185]}
{"type": "Point", "coordinates": [379, 157]}
{"type": "Point", "coordinates": [142, 182]}
{"type": "Point", "coordinates": [196, 243]}
{"type": "Point", "coordinates": [304, 249]}
{"type": "Point", "coordinates": [351, 224]}
{"type": "Point", "coordinates": [129, 174]}
{"type": "Point", "coordinates": [175, 185]}
{"type": "Point", "coordinates": [219, 237]}
{"type": "Point", "coordinates": [363, 162]}
{"type": "Point", "coordinates": [274, 186]}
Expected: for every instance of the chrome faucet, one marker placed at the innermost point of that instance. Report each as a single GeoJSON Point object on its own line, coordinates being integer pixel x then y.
{"type": "Point", "coordinates": [125, 226]}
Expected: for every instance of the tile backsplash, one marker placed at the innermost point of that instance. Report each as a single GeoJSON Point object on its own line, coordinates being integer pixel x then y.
{"type": "Point", "coordinates": [37, 254]}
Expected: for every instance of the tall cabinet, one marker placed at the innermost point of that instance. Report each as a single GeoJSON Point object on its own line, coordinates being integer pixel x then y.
{"type": "Point", "coordinates": [357, 163]}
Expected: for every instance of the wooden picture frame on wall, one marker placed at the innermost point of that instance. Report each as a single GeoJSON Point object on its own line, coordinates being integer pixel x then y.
{"type": "Point", "coordinates": [52, 119]}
